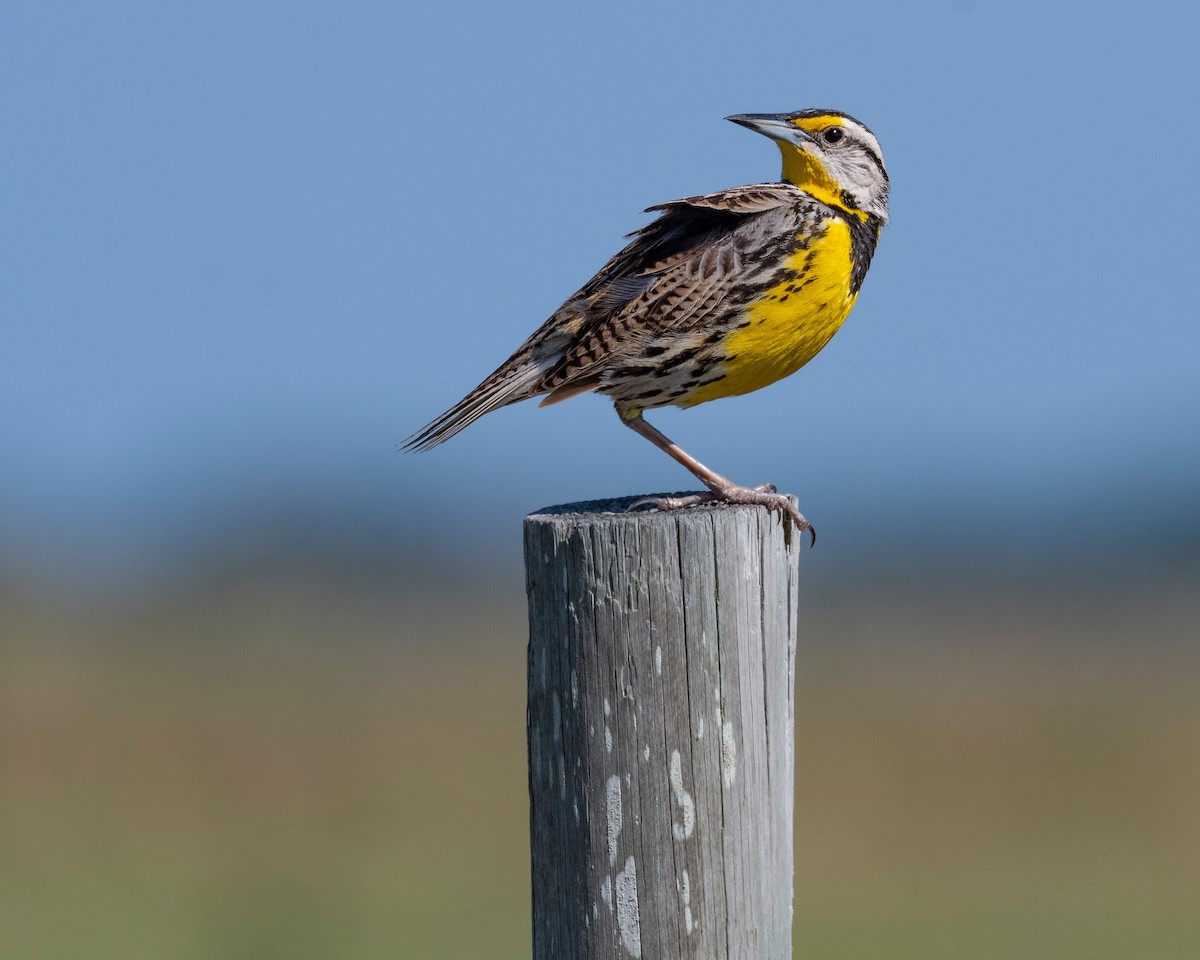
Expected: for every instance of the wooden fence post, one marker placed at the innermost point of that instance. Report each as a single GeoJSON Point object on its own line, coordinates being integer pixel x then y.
{"type": "Point", "coordinates": [660, 727]}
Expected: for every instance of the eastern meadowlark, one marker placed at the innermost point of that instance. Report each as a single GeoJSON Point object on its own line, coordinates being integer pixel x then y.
{"type": "Point", "coordinates": [720, 295]}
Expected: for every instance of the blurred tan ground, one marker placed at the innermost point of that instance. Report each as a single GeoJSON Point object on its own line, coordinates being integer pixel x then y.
{"type": "Point", "coordinates": [276, 771]}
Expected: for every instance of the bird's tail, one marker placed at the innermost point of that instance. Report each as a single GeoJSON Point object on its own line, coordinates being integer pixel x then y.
{"type": "Point", "coordinates": [507, 385]}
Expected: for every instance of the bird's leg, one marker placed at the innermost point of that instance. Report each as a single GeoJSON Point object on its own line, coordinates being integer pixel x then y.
{"type": "Point", "coordinates": [721, 488]}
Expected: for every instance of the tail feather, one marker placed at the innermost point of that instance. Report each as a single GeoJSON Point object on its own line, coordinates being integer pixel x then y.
{"type": "Point", "coordinates": [498, 390]}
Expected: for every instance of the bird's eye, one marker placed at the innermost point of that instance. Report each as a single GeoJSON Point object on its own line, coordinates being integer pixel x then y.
{"type": "Point", "coordinates": [834, 134]}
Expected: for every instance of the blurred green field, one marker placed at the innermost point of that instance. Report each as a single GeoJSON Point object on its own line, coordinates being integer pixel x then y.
{"type": "Point", "coordinates": [270, 770]}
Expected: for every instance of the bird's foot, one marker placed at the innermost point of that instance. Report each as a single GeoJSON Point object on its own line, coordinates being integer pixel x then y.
{"type": "Point", "coordinates": [764, 495]}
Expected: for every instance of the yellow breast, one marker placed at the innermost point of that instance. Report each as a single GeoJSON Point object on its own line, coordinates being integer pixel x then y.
{"type": "Point", "coordinates": [792, 321]}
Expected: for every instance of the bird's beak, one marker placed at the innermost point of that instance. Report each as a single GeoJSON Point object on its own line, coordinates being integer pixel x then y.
{"type": "Point", "coordinates": [776, 126]}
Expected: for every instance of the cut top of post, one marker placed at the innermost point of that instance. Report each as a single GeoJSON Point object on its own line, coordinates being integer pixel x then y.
{"type": "Point", "coordinates": [616, 510]}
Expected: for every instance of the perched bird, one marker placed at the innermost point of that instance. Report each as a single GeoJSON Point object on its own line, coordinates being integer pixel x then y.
{"type": "Point", "coordinates": [720, 295]}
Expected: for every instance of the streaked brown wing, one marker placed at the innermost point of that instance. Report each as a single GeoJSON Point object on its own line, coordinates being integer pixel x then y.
{"type": "Point", "coordinates": [696, 260]}
{"type": "Point", "coordinates": [699, 256]}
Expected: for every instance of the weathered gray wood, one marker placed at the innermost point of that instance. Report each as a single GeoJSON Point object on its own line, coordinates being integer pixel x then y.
{"type": "Point", "coordinates": [660, 713]}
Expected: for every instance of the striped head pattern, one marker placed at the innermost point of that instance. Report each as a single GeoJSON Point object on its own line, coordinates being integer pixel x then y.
{"type": "Point", "coordinates": [829, 155]}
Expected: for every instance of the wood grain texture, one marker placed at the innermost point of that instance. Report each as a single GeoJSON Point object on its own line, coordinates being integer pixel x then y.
{"type": "Point", "coordinates": [660, 725]}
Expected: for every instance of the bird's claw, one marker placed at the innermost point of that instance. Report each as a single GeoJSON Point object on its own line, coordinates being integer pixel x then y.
{"type": "Point", "coordinates": [670, 503]}
{"type": "Point", "coordinates": [764, 495]}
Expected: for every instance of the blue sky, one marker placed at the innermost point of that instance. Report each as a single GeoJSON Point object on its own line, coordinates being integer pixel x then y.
{"type": "Point", "coordinates": [247, 248]}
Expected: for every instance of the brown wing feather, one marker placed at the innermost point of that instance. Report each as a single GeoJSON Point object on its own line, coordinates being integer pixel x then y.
{"type": "Point", "coordinates": [752, 198]}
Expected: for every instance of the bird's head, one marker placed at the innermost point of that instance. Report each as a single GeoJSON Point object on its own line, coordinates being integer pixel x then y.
{"type": "Point", "coordinates": [829, 155]}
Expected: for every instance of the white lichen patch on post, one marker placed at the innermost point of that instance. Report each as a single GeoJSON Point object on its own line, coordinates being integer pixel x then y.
{"type": "Point", "coordinates": [574, 689]}
{"type": "Point", "coordinates": [646, 753]}
{"type": "Point", "coordinates": [728, 754]}
{"type": "Point", "coordinates": [658, 660]}
{"type": "Point", "coordinates": [700, 727]}
{"type": "Point", "coordinates": [606, 891]}
{"type": "Point", "coordinates": [629, 921]}
{"type": "Point", "coordinates": [607, 738]}
{"type": "Point", "coordinates": [687, 806]}
{"type": "Point", "coordinates": [612, 808]}
{"type": "Point", "coordinates": [686, 895]}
